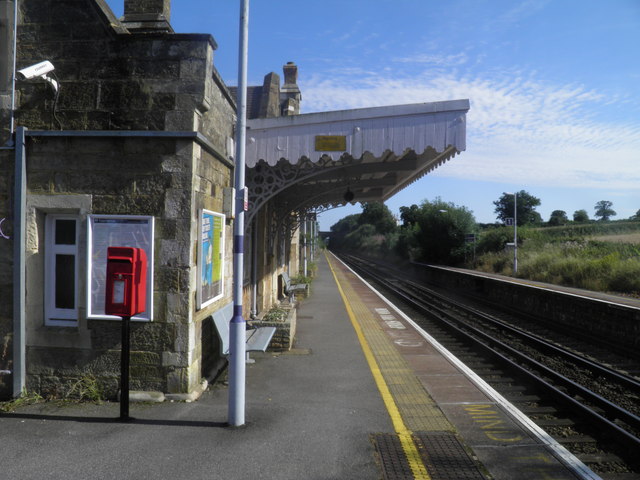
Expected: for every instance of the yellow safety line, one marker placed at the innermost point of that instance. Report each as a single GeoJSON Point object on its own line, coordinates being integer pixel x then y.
{"type": "Point", "coordinates": [404, 434]}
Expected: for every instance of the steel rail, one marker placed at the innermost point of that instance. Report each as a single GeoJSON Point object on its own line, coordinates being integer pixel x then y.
{"type": "Point", "coordinates": [626, 380]}
{"type": "Point", "coordinates": [625, 437]}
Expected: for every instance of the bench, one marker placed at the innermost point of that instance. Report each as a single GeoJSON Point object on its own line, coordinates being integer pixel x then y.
{"type": "Point", "coordinates": [257, 340]}
{"type": "Point", "coordinates": [291, 289]}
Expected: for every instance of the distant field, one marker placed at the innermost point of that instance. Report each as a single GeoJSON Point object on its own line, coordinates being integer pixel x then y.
{"type": "Point", "coordinates": [597, 256]}
{"type": "Point", "coordinates": [622, 238]}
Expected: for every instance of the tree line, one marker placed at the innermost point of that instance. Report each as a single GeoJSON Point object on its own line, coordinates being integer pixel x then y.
{"type": "Point", "coordinates": [527, 215]}
{"type": "Point", "coordinates": [442, 232]}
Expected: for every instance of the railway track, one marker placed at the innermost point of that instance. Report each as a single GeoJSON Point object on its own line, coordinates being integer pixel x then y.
{"type": "Point", "coordinates": [589, 407]}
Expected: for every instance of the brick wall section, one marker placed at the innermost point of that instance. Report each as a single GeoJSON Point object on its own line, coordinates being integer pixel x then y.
{"type": "Point", "coordinates": [617, 324]}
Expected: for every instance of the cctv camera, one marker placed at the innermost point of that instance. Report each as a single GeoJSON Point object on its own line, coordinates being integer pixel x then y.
{"type": "Point", "coordinates": [37, 70]}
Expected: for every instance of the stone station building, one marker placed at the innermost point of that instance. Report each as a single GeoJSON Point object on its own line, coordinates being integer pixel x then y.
{"type": "Point", "coordinates": [135, 146]}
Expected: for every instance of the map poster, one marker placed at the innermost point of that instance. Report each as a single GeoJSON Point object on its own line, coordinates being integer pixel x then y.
{"type": "Point", "coordinates": [116, 231]}
{"type": "Point", "coordinates": [210, 257]}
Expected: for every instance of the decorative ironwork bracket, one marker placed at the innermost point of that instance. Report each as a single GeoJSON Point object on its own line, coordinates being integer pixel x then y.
{"type": "Point", "coordinates": [265, 181]}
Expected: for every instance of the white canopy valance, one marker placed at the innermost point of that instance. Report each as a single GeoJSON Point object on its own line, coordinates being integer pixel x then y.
{"type": "Point", "coordinates": [397, 128]}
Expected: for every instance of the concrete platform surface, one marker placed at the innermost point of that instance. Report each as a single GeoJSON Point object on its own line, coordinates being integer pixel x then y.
{"type": "Point", "coordinates": [363, 395]}
{"type": "Point", "coordinates": [309, 415]}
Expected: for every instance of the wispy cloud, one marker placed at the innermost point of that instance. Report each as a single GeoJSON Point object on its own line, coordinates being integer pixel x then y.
{"type": "Point", "coordinates": [520, 129]}
{"type": "Point", "coordinates": [522, 10]}
{"type": "Point", "coordinates": [435, 59]}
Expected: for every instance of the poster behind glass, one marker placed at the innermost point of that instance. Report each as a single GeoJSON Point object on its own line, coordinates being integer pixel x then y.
{"type": "Point", "coordinates": [116, 231]}
{"type": "Point", "coordinates": [211, 257]}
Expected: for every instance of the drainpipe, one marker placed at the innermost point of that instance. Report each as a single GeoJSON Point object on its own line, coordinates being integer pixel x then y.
{"type": "Point", "coordinates": [313, 238]}
{"type": "Point", "coordinates": [304, 244]}
{"type": "Point", "coordinates": [19, 271]}
{"type": "Point", "coordinates": [13, 70]}
{"type": "Point", "coordinates": [254, 268]}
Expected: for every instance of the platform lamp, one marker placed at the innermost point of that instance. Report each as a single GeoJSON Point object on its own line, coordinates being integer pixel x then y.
{"type": "Point", "coordinates": [515, 230]}
{"type": "Point", "coordinates": [237, 327]}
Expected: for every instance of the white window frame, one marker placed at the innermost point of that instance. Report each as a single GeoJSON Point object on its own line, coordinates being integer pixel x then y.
{"type": "Point", "coordinates": [53, 316]}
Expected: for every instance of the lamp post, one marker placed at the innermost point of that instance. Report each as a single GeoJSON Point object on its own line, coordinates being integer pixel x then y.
{"type": "Point", "coordinates": [515, 230]}
{"type": "Point", "coordinates": [237, 337]}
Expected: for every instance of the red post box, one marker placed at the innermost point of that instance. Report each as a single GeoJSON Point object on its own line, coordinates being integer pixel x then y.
{"type": "Point", "coordinates": [126, 281]}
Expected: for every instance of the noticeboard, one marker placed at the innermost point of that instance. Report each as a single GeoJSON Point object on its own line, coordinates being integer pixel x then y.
{"type": "Point", "coordinates": [116, 231]}
{"type": "Point", "coordinates": [210, 257]}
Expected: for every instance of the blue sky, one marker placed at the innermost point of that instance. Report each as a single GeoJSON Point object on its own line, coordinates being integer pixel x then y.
{"type": "Point", "coordinates": [554, 85]}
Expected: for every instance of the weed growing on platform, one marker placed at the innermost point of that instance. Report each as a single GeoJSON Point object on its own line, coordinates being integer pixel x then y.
{"type": "Point", "coordinates": [85, 389]}
{"type": "Point", "coordinates": [27, 398]}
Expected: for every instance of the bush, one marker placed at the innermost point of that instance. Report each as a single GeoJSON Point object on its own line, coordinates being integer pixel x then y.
{"type": "Point", "coordinates": [495, 239]}
{"type": "Point", "coordinates": [626, 277]}
{"type": "Point", "coordinates": [275, 315]}
{"type": "Point", "coordinates": [592, 265]}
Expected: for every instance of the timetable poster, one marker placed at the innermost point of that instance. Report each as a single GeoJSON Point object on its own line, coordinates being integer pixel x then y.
{"type": "Point", "coordinates": [211, 261]}
{"type": "Point", "coordinates": [116, 231]}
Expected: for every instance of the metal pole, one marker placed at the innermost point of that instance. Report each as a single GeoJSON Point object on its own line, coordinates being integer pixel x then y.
{"type": "Point", "coordinates": [19, 265]}
{"type": "Point", "coordinates": [254, 268]}
{"type": "Point", "coordinates": [13, 70]}
{"type": "Point", "coordinates": [237, 331]}
{"type": "Point", "coordinates": [515, 233]}
{"type": "Point", "coordinates": [313, 238]}
{"type": "Point", "coordinates": [125, 354]}
{"type": "Point", "coordinates": [304, 244]}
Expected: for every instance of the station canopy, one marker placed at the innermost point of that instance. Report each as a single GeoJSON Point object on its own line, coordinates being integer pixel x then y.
{"type": "Point", "coordinates": [317, 161]}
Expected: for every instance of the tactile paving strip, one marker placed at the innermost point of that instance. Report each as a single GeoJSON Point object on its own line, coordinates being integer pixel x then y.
{"type": "Point", "coordinates": [418, 410]}
{"type": "Point", "coordinates": [392, 458]}
{"type": "Point", "coordinates": [442, 453]}
{"type": "Point", "coordinates": [445, 457]}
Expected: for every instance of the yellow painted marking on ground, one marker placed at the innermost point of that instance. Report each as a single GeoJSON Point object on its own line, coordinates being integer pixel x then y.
{"type": "Point", "coordinates": [404, 434]}
{"type": "Point", "coordinates": [421, 415]}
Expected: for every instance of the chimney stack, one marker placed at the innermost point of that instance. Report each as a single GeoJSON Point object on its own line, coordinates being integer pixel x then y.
{"type": "Point", "coordinates": [290, 95]}
{"type": "Point", "coordinates": [147, 16]}
{"type": "Point", "coordinates": [290, 73]}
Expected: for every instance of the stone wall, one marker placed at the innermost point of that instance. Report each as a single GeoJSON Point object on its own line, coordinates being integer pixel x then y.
{"type": "Point", "coordinates": [284, 337]}
{"type": "Point", "coordinates": [618, 324]}
{"type": "Point", "coordinates": [170, 179]}
{"type": "Point", "coordinates": [118, 79]}
{"type": "Point", "coordinates": [110, 79]}
{"type": "Point", "coordinates": [129, 176]}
